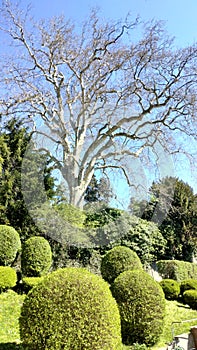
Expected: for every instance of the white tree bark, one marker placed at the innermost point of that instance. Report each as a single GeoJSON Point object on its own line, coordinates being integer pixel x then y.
{"type": "Point", "coordinates": [101, 94]}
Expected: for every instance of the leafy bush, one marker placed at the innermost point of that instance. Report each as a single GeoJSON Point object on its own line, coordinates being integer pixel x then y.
{"type": "Point", "coordinates": [144, 237]}
{"type": "Point", "coordinates": [36, 257]}
{"type": "Point", "coordinates": [171, 289]}
{"type": "Point", "coordinates": [10, 244]}
{"type": "Point", "coordinates": [188, 284]}
{"type": "Point", "coordinates": [70, 308]}
{"type": "Point", "coordinates": [30, 282]}
{"type": "Point", "coordinates": [177, 270]}
{"type": "Point", "coordinates": [141, 304]}
{"type": "Point", "coordinates": [8, 277]}
{"type": "Point", "coordinates": [190, 298]}
{"type": "Point", "coordinates": [118, 260]}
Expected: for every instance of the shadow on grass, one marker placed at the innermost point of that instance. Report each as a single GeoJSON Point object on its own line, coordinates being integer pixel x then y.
{"type": "Point", "coordinates": [11, 346]}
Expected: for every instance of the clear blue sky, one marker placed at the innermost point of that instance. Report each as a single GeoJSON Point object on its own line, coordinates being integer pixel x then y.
{"type": "Point", "coordinates": [180, 15]}
{"type": "Point", "coordinates": [180, 18]}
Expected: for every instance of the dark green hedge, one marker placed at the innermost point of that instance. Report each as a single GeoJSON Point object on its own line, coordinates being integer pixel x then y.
{"type": "Point", "coordinates": [190, 298]}
{"type": "Point", "coordinates": [36, 258]}
{"type": "Point", "coordinates": [188, 285]}
{"type": "Point", "coordinates": [170, 288]}
{"type": "Point", "coordinates": [177, 270]}
{"type": "Point", "coordinates": [141, 304]}
{"type": "Point", "coordinates": [70, 308]}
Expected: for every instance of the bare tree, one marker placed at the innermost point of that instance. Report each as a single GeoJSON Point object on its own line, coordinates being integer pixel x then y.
{"type": "Point", "coordinates": [105, 91]}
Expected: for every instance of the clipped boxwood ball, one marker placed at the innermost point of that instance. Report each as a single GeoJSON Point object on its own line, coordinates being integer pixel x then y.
{"type": "Point", "coordinates": [8, 277]}
{"type": "Point", "coordinates": [36, 258]}
{"type": "Point", "coordinates": [141, 304]}
{"type": "Point", "coordinates": [188, 284]}
{"type": "Point", "coordinates": [70, 308]}
{"type": "Point", "coordinates": [10, 244]}
{"type": "Point", "coordinates": [171, 288]}
{"type": "Point", "coordinates": [118, 260]}
{"type": "Point", "coordinates": [190, 298]}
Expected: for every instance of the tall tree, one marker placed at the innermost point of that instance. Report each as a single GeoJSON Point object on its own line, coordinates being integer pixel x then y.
{"type": "Point", "coordinates": [174, 207]}
{"type": "Point", "coordinates": [98, 191]}
{"type": "Point", "coordinates": [103, 95]}
{"type": "Point", "coordinates": [14, 139]}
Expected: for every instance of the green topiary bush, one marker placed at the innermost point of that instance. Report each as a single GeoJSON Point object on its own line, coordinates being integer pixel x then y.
{"type": "Point", "coordinates": [187, 285]}
{"type": "Point", "coordinates": [171, 289]}
{"type": "Point", "coordinates": [8, 278]}
{"type": "Point", "coordinates": [70, 309]}
{"type": "Point", "coordinates": [118, 260]}
{"type": "Point", "coordinates": [29, 282]}
{"type": "Point", "coordinates": [36, 258]}
{"type": "Point", "coordinates": [190, 298]}
{"type": "Point", "coordinates": [10, 245]}
{"type": "Point", "coordinates": [141, 304]}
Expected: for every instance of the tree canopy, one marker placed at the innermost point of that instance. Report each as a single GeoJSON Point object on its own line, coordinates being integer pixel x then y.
{"type": "Point", "coordinates": [100, 93]}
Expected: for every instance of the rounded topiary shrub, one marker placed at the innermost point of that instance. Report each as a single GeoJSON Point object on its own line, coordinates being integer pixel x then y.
{"type": "Point", "coordinates": [188, 284]}
{"type": "Point", "coordinates": [10, 245]}
{"type": "Point", "coordinates": [29, 282]}
{"type": "Point", "coordinates": [141, 304]}
{"type": "Point", "coordinates": [36, 258]}
{"type": "Point", "coordinates": [171, 289]}
{"type": "Point", "coordinates": [190, 298]}
{"type": "Point", "coordinates": [8, 277]}
{"type": "Point", "coordinates": [118, 260]}
{"type": "Point", "coordinates": [70, 308]}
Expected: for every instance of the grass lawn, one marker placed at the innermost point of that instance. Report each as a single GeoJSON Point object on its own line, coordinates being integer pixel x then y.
{"type": "Point", "coordinates": [10, 304]}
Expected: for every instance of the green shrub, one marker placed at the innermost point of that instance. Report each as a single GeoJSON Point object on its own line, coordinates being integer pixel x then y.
{"type": "Point", "coordinates": [8, 277]}
{"type": "Point", "coordinates": [10, 245]}
{"type": "Point", "coordinates": [188, 284]}
{"type": "Point", "coordinates": [171, 289]}
{"type": "Point", "coordinates": [190, 298]}
{"type": "Point", "coordinates": [177, 270]}
{"type": "Point", "coordinates": [30, 282]}
{"type": "Point", "coordinates": [70, 308]}
{"type": "Point", "coordinates": [36, 257]}
{"type": "Point", "coordinates": [141, 304]}
{"type": "Point", "coordinates": [118, 260]}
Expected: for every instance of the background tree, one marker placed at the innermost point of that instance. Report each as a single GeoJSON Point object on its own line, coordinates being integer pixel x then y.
{"type": "Point", "coordinates": [102, 96]}
{"type": "Point", "coordinates": [14, 138]}
{"type": "Point", "coordinates": [174, 201]}
{"type": "Point", "coordinates": [98, 191]}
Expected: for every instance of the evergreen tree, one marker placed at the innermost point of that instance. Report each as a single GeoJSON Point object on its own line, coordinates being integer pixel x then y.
{"type": "Point", "coordinates": [14, 139]}
{"type": "Point", "coordinates": [173, 206]}
{"type": "Point", "coordinates": [98, 191]}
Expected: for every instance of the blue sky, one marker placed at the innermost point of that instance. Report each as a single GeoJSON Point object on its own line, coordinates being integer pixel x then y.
{"type": "Point", "coordinates": [180, 21]}
{"type": "Point", "coordinates": [180, 15]}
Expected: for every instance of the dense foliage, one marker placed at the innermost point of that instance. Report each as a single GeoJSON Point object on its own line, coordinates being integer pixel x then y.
{"type": "Point", "coordinates": [188, 284]}
{"type": "Point", "coordinates": [173, 206]}
{"type": "Point", "coordinates": [8, 277]}
{"type": "Point", "coordinates": [36, 257]}
{"type": "Point", "coordinates": [190, 298]}
{"type": "Point", "coordinates": [10, 244]}
{"type": "Point", "coordinates": [118, 260]}
{"type": "Point", "coordinates": [70, 309]}
{"type": "Point", "coordinates": [177, 270]}
{"type": "Point", "coordinates": [171, 289]}
{"type": "Point", "coordinates": [142, 304]}
{"type": "Point", "coordinates": [13, 144]}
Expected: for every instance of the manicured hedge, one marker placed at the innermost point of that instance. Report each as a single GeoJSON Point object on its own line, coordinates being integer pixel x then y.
{"type": "Point", "coordinates": [70, 308]}
{"type": "Point", "coordinates": [36, 258]}
{"type": "Point", "coordinates": [190, 298]}
{"type": "Point", "coordinates": [118, 260]}
{"type": "Point", "coordinates": [141, 304]}
{"type": "Point", "coordinates": [30, 282]}
{"type": "Point", "coordinates": [10, 244]}
{"type": "Point", "coordinates": [171, 289]}
{"type": "Point", "coordinates": [8, 277]}
{"type": "Point", "coordinates": [188, 285]}
{"type": "Point", "coordinates": [177, 270]}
